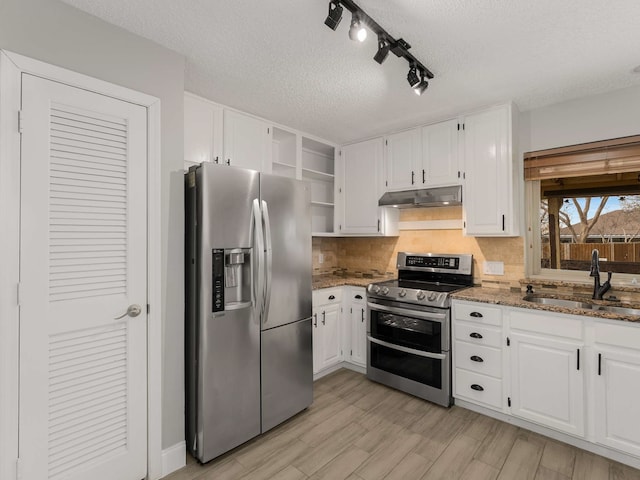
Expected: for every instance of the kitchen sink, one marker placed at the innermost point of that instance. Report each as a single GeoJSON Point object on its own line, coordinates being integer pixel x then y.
{"type": "Point", "coordinates": [582, 305]}
{"type": "Point", "coordinates": [558, 302]}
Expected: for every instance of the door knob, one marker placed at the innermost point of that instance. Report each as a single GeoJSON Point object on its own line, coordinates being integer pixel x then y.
{"type": "Point", "coordinates": [133, 311]}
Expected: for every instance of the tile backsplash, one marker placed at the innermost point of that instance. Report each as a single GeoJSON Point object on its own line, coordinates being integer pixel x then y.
{"type": "Point", "coordinates": [378, 254]}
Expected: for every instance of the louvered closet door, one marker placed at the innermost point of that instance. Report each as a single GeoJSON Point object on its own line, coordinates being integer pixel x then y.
{"type": "Point", "coordinates": [82, 263]}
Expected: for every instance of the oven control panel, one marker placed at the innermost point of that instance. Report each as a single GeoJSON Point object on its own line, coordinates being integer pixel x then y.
{"type": "Point", "coordinates": [436, 262]}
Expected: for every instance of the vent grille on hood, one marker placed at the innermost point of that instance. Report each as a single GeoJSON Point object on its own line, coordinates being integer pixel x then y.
{"type": "Point", "coordinates": [426, 197]}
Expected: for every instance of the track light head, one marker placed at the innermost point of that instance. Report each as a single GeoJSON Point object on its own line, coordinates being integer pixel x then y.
{"type": "Point", "coordinates": [357, 30]}
{"type": "Point", "coordinates": [412, 77]}
{"type": "Point", "coordinates": [335, 15]}
{"type": "Point", "coordinates": [383, 50]}
{"type": "Point", "coordinates": [420, 88]}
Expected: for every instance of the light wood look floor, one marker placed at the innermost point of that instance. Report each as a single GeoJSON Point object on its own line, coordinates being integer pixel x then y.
{"type": "Point", "coordinates": [359, 430]}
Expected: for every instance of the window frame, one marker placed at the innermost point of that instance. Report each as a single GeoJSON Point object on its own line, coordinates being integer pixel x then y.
{"type": "Point", "coordinates": [533, 254]}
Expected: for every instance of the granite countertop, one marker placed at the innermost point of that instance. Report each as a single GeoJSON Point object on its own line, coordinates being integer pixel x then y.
{"type": "Point", "coordinates": [355, 280]}
{"type": "Point", "coordinates": [511, 298]}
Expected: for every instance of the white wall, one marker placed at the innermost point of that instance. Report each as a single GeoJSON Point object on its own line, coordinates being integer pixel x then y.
{"type": "Point", "coordinates": [598, 117]}
{"type": "Point", "coordinates": [56, 33]}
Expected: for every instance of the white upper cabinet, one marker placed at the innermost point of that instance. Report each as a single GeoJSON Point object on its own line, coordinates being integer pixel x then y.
{"type": "Point", "coordinates": [440, 164]}
{"type": "Point", "coordinates": [491, 184]}
{"type": "Point", "coordinates": [423, 157]}
{"type": "Point", "coordinates": [202, 130]}
{"type": "Point", "coordinates": [403, 159]}
{"type": "Point", "coordinates": [362, 187]}
{"type": "Point", "coordinates": [247, 142]}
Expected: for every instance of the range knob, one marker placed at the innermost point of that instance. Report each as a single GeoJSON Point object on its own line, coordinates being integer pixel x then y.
{"type": "Point", "coordinates": [376, 289]}
{"type": "Point", "coordinates": [420, 295]}
{"type": "Point", "coordinates": [402, 293]}
{"type": "Point", "coordinates": [432, 296]}
{"type": "Point", "coordinates": [385, 290]}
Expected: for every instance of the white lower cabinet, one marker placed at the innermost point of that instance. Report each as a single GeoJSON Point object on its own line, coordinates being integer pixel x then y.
{"type": "Point", "coordinates": [617, 387]}
{"type": "Point", "coordinates": [547, 384]}
{"type": "Point", "coordinates": [339, 327]}
{"type": "Point", "coordinates": [477, 354]}
{"type": "Point", "coordinates": [358, 324]}
{"type": "Point", "coordinates": [327, 340]}
{"type": "Point", "coordinates": [548, 360]}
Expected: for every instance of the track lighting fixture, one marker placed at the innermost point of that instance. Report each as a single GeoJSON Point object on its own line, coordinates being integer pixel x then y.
{"type": "Point", "coordinates": [418, 73]}
{"type": "Point", "coordinates": [357, 30]}
{"type": "Point", "coordinates": [335, 15]}
{"type": "Point", "coordinates": [422, 86]}
{"type": "Point", "coordinates": [383, 50]}
{"type": "Point", "coordinates": [412, 77]}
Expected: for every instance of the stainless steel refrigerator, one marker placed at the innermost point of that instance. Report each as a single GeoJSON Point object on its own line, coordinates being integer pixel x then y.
{"type": "Point", "coordinates": [248, 305]}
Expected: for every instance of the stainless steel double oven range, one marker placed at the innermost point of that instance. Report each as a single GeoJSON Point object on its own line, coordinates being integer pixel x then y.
{"type": "Point", "coordinates": [409, 330]}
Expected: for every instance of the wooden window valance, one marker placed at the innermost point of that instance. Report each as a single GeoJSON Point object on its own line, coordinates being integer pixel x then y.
{"type": "Point", "coordinates": [619, 155]}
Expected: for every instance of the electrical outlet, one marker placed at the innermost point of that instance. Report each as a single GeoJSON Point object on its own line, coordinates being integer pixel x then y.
{"type": "Point", "coordinates": [320, 258]}
{"type": "Point", "coordinates": [493, 268]}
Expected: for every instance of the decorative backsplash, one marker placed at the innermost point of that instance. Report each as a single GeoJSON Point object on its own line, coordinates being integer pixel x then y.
{"type": "Point", "coordinates": [377, 255]}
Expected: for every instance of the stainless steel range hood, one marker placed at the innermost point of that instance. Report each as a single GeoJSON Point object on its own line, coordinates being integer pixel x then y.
{"type": "Point", "coordinates": [425, 197]}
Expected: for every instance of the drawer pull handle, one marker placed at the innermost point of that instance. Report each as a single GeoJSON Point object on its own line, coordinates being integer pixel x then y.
{"type": "Point", "coordinates": [477, 388]}
{"type": "Point", "coordinates": [475, 335]}
{"type": "Point", "coordinates": [332, 297]}
{"type": "Point", "coordinates": [475, 358]}
{"type": "Point", "coordinates": [359, 297]}
{"type": "Point", "coordinates": [476, 314]}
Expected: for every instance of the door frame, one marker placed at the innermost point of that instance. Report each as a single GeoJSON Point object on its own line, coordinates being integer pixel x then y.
{"type": "Point", "coordinates": [12, 66]}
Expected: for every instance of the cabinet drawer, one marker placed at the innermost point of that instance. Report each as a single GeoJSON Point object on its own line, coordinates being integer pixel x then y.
{"type": "Point", "coordinates": [477, 358]}
{"type": "Point", "coordinates": [478, 334]}
{"type": "Point", "coordinates": [478, 388]}
{"type": "Point", "coordinates": [327, 296]}
{"type": "Point", "coordinates": [547, 323]}
{"type": "Point", "coordinates": [479, 313]}
{"type": "Point", "coordinates": [623, 335]}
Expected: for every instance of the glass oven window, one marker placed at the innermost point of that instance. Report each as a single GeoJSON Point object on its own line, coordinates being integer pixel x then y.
{"type": "Point", "coordinates": [427, 371]}
{"type": "Point", "coordinates": [410, 332]}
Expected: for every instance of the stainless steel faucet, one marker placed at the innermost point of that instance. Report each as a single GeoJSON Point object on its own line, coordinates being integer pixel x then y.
{"type": "Point", "coordinates": [598, 290]}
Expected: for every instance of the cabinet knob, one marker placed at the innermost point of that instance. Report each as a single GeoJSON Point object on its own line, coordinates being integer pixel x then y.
{"type": "Point", "coordinates": [358, 297]}
{"type": "Point", "coordinates": [315, 320]}
{"type": "Point", "coordinates": [475, 335]}
{"type": "Point", "coordinates": [476, 314]}
{"type": "Point", "coordinates": [228, 161]}
{"type": "Point", "coordinates": [476, 358]}
{"type": "Point", "coordinates": [323, 318]}
{"type": "Point", "coordinates": [477, 388]}
{"type": "Point", "coordinates": [362, 315]}
{"type": "Point", "coordinates": [216, 159]}
{"type": "Point", "coordinates": [332, 297]}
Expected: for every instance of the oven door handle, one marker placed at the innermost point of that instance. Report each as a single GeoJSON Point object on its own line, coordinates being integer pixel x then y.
{"type": "Point", "coordinates": [440, 356]}
{"type": "Point", "coordinates": [438, 317]}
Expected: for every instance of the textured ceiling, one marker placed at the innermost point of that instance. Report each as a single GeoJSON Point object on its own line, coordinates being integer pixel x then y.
{"type": "Point", "coordinates": [277, 59]}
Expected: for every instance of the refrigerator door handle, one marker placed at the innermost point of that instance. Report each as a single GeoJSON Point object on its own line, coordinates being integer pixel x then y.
{"type": "Point", "coordinates": [256, 262]}
{"type": "Point", "coordinates": [268, 262]}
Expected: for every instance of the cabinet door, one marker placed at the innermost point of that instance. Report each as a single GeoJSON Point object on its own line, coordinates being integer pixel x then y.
{"type": "Point", "coordinates": [547, 382]}
{"type": "Point", "coordinates": [488, 179]}
{"type": "Point", "coordinates": [329, 323]}
{"type": "Point", "coordinates": [403, 160]}
{"type": "Point", "coordinates": [359, 330]}
{"type": "Point", "coordinates": [362, 164]}
{"type": "Point", "coordinates": [202, 130]}
{"type": "Point", "coordinates": [440, 154]}
{"type": "Point", "coordinates": [247, 142]}
{"type": "Point", "coordinates": [318, 342]}
{"type": "Point", "coordinates": [617, 415]}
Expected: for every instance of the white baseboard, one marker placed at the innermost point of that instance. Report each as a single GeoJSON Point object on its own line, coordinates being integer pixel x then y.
{"type": "Point", "coordinates": [351, 366]}
{"type": "Point", "coordinates": [174, 458]}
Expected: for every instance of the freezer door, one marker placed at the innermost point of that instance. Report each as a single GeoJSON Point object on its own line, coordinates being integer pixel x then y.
{"type": "Point", "coordinates": [229, 382]}
{"type": "Point", "coordinates": [287, 372]}
{"type": "Point", "coordinates": [226, 199]}
{"type": "Point", "coordinates": [286, 209]}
